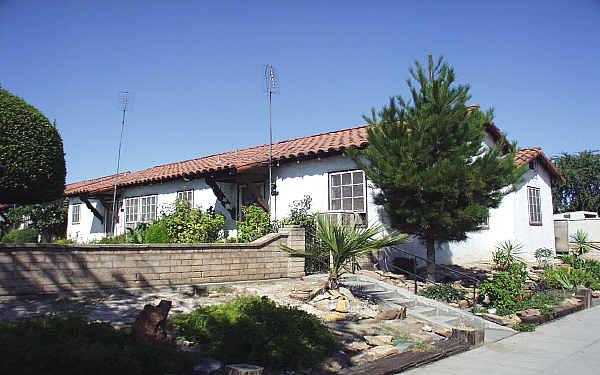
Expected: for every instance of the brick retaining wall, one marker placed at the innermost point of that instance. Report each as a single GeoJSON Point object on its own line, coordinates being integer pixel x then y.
{"type": "Point", "coordinates": [52, 268]}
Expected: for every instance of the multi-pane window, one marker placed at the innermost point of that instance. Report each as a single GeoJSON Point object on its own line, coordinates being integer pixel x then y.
{"type": "Point", "coordinates": [187, 196]}
{"type": "Point", "coordinates": [140, 209]}
{"type": "Point", "coordinates": [535, 210]}
{"type": "Point", "coordinates": [75, 213]}
{"type": "Point", "coordinates": [347, 191]}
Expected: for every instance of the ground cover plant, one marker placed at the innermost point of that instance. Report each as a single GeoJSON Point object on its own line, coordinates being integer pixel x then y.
{"type": "Point", "coordinates": [74, 345]}
{"type": "Point", "coordinates": [443, 292]}
{"type": "Point", "coordinates": [255, 330]}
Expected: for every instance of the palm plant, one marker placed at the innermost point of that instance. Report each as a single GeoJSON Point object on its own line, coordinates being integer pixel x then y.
{"type": "Point", "coordinates": [346, 243]}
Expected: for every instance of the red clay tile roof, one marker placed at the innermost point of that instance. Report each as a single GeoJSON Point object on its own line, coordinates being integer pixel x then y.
{"type": "Point", "coordinates": [525, 155]}
{"type": "Point", "coordinates": [311, 146]}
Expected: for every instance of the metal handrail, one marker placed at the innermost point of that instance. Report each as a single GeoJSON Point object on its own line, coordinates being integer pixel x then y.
{"type": "Point", "coordinates": [417, 276]}
{"type": "Point", "coordinates": [437, 265]}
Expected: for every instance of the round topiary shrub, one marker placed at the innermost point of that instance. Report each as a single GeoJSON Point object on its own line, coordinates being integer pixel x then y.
{"type": "Point", "coordinates": [32, 160]}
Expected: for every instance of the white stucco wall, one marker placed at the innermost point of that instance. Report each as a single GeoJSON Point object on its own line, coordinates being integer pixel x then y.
{"type": "Point", "coordinates": [89, 228]}
{"type": "Point", "coordinates": [532, 237]}
{"type": "Point", "coordinates": [295, 180]}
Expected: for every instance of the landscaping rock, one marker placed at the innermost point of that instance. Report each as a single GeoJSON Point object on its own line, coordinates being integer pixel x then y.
{"type": "Point", "coordinates": [404, 346]}
{"type": "Point", "coordinates": [596, 293]}
{"type": "Point", "coordinates": [529, 312]}
{"type": "Point", "coordinates": [427, 328]}
{"type": "Point", "coordinates": [342, 306]}
{"type": "Point", "coordinates": [375, 353]}
{"type": "Point", "coordinates": [424, 338]}
{"type": "Point", "coordinates": [463, 304]}
{"type": "Point", "coordinates": [321, 297]}
{"type": "Point", "coordinates": [445, 332]}
{"type": "Point", "coordinates": [338, 317]}
{"type": "Point", "coordinates": [569, 302]}
{"type": "Point", "coordinates": [347, 294]}
{"type": "Point", "coordinates": [207, 366]}
{"type": "Point", "coordinates": [495, 318]}
{"type": "Point", "coordinates": [339, 360]}
{"type": "Point", "coordinates": [151, 323]}
{"type": "Point", "coordinates": [392, 314]}
{"type": "Point", "coordinates": [243, 369]}
{"type": "Point", "coordinates": [356, 346]}
{"type": "Point", "coordinates": [378, 340]}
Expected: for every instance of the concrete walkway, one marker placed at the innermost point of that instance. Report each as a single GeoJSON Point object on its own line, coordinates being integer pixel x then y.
{"type": "Point", "coordinates": [570, 345]}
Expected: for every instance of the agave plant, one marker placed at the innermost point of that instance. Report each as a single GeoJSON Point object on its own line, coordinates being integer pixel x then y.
{"type": "Point", "coordinates": [346, 242]}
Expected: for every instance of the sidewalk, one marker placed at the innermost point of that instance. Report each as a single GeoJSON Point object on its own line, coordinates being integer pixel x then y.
{"type": "Point", "coordinates": [570, 345]}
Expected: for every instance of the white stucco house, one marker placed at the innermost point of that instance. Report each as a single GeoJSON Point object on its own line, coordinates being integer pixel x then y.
{"type": "Point", "coordinates": [315, 165]}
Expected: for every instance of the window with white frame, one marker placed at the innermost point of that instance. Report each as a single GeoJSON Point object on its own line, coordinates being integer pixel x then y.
{"type": "Point", "coordinates": [347, 191]}
{"type": "Point", "coordinates": [188, 196]}
{"type": "Point", "coordinates": [75, 213]}
{"type": "Point", "coordinates": [535, 209]}
{"type": "Point", "coordinates": [140, 209]}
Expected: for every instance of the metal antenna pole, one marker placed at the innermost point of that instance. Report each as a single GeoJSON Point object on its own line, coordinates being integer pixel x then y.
{"type": "Point", "coordinates": [271, 85]}
{"type": "Point", "coordinates": [114, 209]}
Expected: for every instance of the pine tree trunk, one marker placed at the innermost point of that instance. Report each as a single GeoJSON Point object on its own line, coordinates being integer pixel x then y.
{"type": "Point", "coordinates": [430, 260]}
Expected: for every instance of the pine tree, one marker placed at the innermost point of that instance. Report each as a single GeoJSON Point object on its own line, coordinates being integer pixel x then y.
{"type": "Point", "coordinates": [435, 179]}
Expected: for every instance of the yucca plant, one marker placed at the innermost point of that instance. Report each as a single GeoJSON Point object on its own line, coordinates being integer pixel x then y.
{"type": "Point", "coordinates": [581, 242]}
{"type": "Point", "coordinates": [346, 243]}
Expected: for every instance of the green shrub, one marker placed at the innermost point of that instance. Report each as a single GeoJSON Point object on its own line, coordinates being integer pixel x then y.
{"type": "Point", "coordinates": [190, 225]}
{"type": "Point", "coordinates": [444, 292]}
{"type": "Point", "coordinates": [543, 256]}
{"type": "Point", "coordinates": [74, 345]}
{"type": "Point", "coordinates": [567, 278]}
{"type": "Point", "coordinates": [506, 254]}
{"type": "Point", "coordinates": [137, 235]}
{"type": "Point", "coordinates": [301, 215]}
{"type": "Point", "coordinates": [538, 300]}
{"type": "Point", "coordinates": [121, 238]}
{"type": "Point", "coordinates": [32, 159]}
{"type": "Point", "coordinates": [255, 330]}
{"type": "Point", "coordinates": [505, 288]}
{"type": "Point", "coordinates": [573, 260]}
{"type": "Point", "coordinates": [64, 242]}
{"type": "Point", "coordinates": [256, 223]}
{"type": "Point", "coordinates": [27, 235]}
{"type": "Point", "coordinates": [157, 233]}
{"type": "Point", "coordinates": [525, 327]}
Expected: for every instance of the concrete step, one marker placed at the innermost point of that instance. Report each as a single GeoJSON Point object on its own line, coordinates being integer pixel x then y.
{"type": "Point", "coordinates": [436, 313]}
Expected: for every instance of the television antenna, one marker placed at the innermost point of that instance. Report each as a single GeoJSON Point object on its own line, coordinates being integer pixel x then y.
{"type": "Point", "coordinates": [114, 209]}
{"type": "Point", "coordinates": [272, 85]}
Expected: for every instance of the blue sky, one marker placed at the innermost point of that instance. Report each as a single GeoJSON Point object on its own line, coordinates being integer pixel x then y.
{"type": "Point", "coordinates": [195, 70]}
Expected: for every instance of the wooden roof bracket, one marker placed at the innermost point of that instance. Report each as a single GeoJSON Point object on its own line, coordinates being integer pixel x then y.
{"type": "Point", "coordinates": [108, 208]}
{"type": "Point", "coordinates": [253, 190]}
{"type": "Point", "coordinates": [210, 181]}
{"type": "Point", "coordinates": [85, 199]}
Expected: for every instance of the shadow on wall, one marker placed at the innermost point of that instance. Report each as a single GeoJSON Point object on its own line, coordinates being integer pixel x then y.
{"type": "Point", "coordinates": [21, 273]}
{"type": "Point", "coordinates": [45, 285]}
{"type": "Point", "coordinates": [415, 247]}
